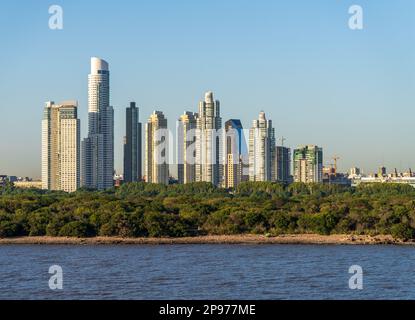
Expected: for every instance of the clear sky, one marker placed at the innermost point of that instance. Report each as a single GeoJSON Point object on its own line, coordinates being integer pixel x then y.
{"type": "Point", "coordinates": [350, 92]}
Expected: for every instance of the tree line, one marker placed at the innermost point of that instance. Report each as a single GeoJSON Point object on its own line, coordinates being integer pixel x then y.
{"type": "Point", "coordinates": [152, 210]}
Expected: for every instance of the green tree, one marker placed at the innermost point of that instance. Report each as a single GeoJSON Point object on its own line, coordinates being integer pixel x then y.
{"type": "Point", "coordinates": [403, 231]}
{"type": "Point", "coordinates": [77, 229]}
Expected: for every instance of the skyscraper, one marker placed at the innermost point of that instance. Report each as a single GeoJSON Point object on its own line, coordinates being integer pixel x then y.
{"type": "Point", "coordinates": [308, 164]}
{"type": "Point", "coordinates": [283, 164]}
{"type": "Point", "coordinates": [208, 141]}
{"type": "Point", "coordinates": [156, 151]}
{"type": "Point", "coordinates": [98, 148]}
{"type": "Point", "coordinates": [186, 147]}
{"type": "Point", "coordinates": [60, 147]}
{"type": "Point", "coordinates": [132, 145]}
{"type": "Point", "coordinates": [262, 150]}
{"type": "Point", "coordinates": [234, 157]}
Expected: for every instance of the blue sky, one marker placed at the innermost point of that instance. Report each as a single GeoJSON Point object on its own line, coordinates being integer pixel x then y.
{"type": "Point", "coordinates": [351, 92]}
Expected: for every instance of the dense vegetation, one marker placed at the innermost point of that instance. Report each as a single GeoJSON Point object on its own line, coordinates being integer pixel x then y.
{"type": "Point", "coordinates": [149, 210]}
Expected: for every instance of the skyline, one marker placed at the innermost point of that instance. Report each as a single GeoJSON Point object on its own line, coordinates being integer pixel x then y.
{"type": "Point", "coordinates": [210, 152]}
{"type": "Point", "coordinates": [283, 66]}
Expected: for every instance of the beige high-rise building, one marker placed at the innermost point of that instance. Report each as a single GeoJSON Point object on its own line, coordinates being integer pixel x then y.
{"type": "Point", "coordinates": [61, 147]}
{"type": "Point", "coordinates": [186, 147]}
{"type": "Point", "coordinates": [156, 149]}
{"type": "Point", "coordinates": [209, 162]}
{"type": "Point", "coordinates": [262, 150]}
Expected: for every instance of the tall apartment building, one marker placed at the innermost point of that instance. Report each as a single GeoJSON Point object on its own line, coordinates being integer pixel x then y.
{"type": "Point", "coordinates": [61, 147]}
{"type": "Point", "coordinates": [132, 145]}
{"type": "Point", "coordinates": [308, 164]}
{"type": "Point", "coordinates": [156, 149]}
{"type": "Point", "coordinates": [235, 146]}
{"type": "Point", "coordinates": [262, 150]}
{"type": "Point", "coordinates": [209, 162]}
{"type": "Point", "coordinates": [283, 164]}
{"type": "Point", "coordinates": [98, 147]}
{"type": "Point", "coordinates": [186, 147]}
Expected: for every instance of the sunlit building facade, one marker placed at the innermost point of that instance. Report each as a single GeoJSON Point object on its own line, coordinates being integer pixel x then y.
{"type": "Point", "coordinates": [209, 162]}
{"type": "Point", "coordinates": [262, 150]}
{"type": "Point", "coordinates": [61, 147]}
{"type": "Point", "coordinates": [186, 147]}
{"type": "Point", "coordinates": [308, 164]}
{"type": "Point", "coordinates": [98, 147]}
{"type": "Point", "coordinates": [156, 149]}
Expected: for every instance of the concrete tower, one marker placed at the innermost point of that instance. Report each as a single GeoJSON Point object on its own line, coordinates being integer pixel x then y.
{"type": "Point", "coordinates": [262, 150]}
{"type": "Point", "coordinates": [209, 162]}
{"type": "Point", "coordinates": [98, 148]}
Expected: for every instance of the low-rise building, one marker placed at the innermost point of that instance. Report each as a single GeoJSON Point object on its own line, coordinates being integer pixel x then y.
{"type": "Point", "coordinates": [385, 179]}
{"type": "Point", "coordinates": [28, 184]}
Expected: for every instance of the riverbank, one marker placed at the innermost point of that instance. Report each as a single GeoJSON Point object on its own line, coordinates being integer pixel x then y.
{"type": "Point", "coordinates": [231, 239]}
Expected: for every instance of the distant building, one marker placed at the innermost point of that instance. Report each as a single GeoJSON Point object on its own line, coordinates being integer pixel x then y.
{"type": "Point", "coordinates": [355, 171]}
{"type": "Point", "coordinates": [308, 164]}
{"type": "Point", "coordinates": [61, 147]}
{"type": "Point", "coordinates": [331, 176]}
{"type": "Point", "coordinates": [186, 147]}
{"type": "Point", "coordinates": [283, 164]}
{"type": "Point", "coordinates": [382, 172]}
{"type": "Point", "coordinates": [329, 171]}
{"type": "Point", "coordinates": [395, 173]}
{"type": "Point", "coordinates": [28, 184]}
{"type": "Point", "coordinates": [262, 150]}
{"type": "Point", "coordinates": [132, 145]}
{"type": "Point", "coordinates": [382, 177]}
{"type": "Point", "coordinates": [156, 153]}
{"type": "Point", "coordinates": [400, 179]}
{"type": "Point", "coordinates": [408, 173]}
{"type": "Point", "coordinates": [209, 164]}
{"type": "Point", "coordinates": [234, 156]}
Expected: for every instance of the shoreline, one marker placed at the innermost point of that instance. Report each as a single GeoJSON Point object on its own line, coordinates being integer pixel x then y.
{"type": "Point", "coordinates": [311, 239]}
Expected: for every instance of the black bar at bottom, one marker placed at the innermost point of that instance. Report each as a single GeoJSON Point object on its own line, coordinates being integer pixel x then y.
{"type": "Point", "coordinates": [214, 309]}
